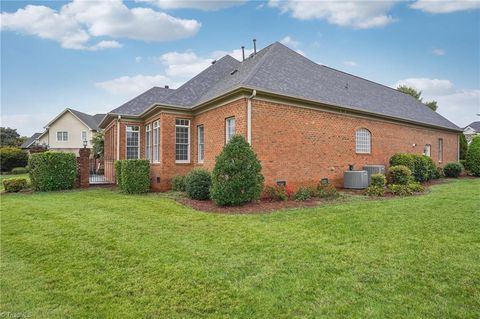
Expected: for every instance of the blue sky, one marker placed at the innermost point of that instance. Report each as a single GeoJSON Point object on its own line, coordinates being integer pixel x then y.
{"type": "Point", "coordinates": [93, 56]}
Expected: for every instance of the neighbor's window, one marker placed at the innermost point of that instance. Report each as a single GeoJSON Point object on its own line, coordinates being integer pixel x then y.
{"type": "Point", "coordinates": [427, 150]}
{"type": "Point", "coordinates": [132, 142]}
{"type": "Point", "coordinates": [363, 139]}
{"type": "Point", "coordinates": [229, 129]}
{"type": "Point", "coordinates": [62, 136]}
{"type": "Point", "coordinates": [182, 141]}
{"type": "Point", "coordinates": [84, 136]}
{"type": "Point", "coordinates": [201, 143]}
{"type": "Point", "coordinates": [156, 141]}
{"type": "Point", "coordinates": [440, 149]}
{"type": "Point", "coordinates": [148, 141]}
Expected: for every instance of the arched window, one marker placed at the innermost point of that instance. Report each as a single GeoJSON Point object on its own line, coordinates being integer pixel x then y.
{"type": "Point", "coordinates": [363, 139]}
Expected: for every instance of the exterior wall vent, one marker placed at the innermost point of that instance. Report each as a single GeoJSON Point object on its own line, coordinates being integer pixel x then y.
{"type": "Point", "coordinates": [355, 179]}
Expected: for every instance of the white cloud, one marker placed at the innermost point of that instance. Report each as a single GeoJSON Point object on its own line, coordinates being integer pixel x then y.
{"type": "Point", "coordinates": [184, 65]}
{"type": "Point", "coordinates": [134, 85]}
{"type": "Point", "coordinates": [26, 123]}
{"type": "Point", "coordinates": [208, 5]}
{"type": "Point", "coordinates": [290, 42]}
{"type": "Point", "coordinates": [438, 52]}
{"type": "Point", "coordinates": [445, 6]}
{"type": "Point", "coordinates": [77, 22]}
{"type": "Point", "coordinates": [350, 63]}
{"type": "Point", "coordinates": [138, 59]}
{"type": "Point", "coordinates": [458, 105]}
{"type": "Point", "coordinates": [357, 14]}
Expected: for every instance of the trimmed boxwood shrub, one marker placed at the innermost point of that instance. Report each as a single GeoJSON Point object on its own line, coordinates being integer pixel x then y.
{"type": "Point", "coordinates": [453, 169]}
{"type": "Point", "coordinates": [51, 170]}
{"type": "Point", "coordinates": [400, 175]}
{"type": "Point", "coordinates": [422, 167]}
{"type": "Point", "coordinates": [439, 173]}
{"type": "Point", "coordinates": [403, 159]}
{"type": "Point", "coordinates": [15, 184]}
{"type": "Point", "coordinates": [378, 180]}
{"type": "Point", "coordinates": [178, 183]}
{"type": "Point", "coordinates": [11, 157]}
{"type": "Point", "coordinates": [236, 177]}
{"type": "Point", "coordinates": [135, 176]}
{"type": "Point", "coordinates": [400, 189]}
{"type": "Point", "coordinates": [473, 156]}
{"type": "Point", "coordinates": [374, 190]}
{"type": "Point", "coordinates": [19, 170]}
{"type": "Point", "coordinates": [198, 183]}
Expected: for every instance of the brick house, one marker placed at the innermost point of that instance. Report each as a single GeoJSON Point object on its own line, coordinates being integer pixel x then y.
{"type": "Point", "coordinates": [305, 121]}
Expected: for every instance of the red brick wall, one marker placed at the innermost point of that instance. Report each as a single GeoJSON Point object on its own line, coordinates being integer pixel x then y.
{"type": "Point", "coordinates": [302, 145]}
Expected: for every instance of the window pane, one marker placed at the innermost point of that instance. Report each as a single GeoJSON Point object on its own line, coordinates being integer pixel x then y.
{"type": "Point", "coordinates": [229, 128]}
{"type": "Point", "coordinates": [201, 148]}
{"type": "Point", "coordinates": [363, 141]}
{"type": "Point", "coordinates": [132, 142]}
{"type": "Point", "coordinates": [440, 150]}
{"type": "Point", "coordinates": [182, 132]}
{"type": "Point", "coordinates": [156, 142]}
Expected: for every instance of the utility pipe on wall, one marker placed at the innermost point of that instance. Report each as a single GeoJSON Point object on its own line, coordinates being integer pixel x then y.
{"type": "Point", "coordinates": [249, 116]}
{"type": "Point", "coordinates": [118, 137]}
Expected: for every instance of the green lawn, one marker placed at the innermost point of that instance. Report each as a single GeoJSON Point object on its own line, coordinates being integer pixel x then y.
{"type": "Point", "coordinates": [100, 254]}
{"type": "Point", "coordinates": [2, 177]}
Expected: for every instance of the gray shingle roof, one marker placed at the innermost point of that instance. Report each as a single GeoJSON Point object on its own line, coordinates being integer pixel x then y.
{"type": "Point", "coordinates": [280, 70]}
{"type": "Point", "coordinates": [91, 120]}
{"type": "Point", "coordinates": [475, 126]}
{"type": "Point", "coordinates": [141, 102]}
{"type": "Point", "coordinates": [30, 140]}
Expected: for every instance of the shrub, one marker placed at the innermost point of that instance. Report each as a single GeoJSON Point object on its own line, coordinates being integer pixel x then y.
{"type": "Point", "coordinates": [375, 190]}
{"type": "Point", "coordinates": [236, 177]}
{"type": "Point", "coordinates": [11, 157]}
{"type": "Point", "coordinates": [14, 184]}
{"type": "Point", "coordinates": [400, 189]}
{"type": "Point", "coordinates": [327, 191]}
{"type": "Point", "coordinates": [178, 183]}
{"type": "Point", "coordinates": [422, 167]}
{"type": "Point", "coordinates": [52, 170]}
{"type": "Point", "coordinates": [118, 173]}
{"type": "Point", "coordinates": [463, 147]}
{"type": "Point", "coordinates": [453, 169]}
{"type": "Point", "coordinates": [416, 187]}
{"type": "Point", "coordinates": [439, 173]}
{"type": "Point", "coordinates": [403, 159]}
{"type": "Point", "coordinates": [135, 176]}
{"type": "Point", "coordinates": [198, 183]}
{"type": "Point", "coordinates": [278, 193]}
{"type": "Point", "coordinates": [19, 170]}
{"type": "Point", "coordinates": [378, 180]}
{"type": "Point", "coordinates": [464, 163]}
{"type": "Point", "coordinates": [304, 193]}
{"type": "Point", "coordinates": [400, 175]}
{"type": "Point", "coordinates": [473, 156]}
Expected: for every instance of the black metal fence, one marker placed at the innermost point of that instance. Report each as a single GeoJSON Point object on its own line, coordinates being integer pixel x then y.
{"type": "Point", "coordinates": [101, 172]}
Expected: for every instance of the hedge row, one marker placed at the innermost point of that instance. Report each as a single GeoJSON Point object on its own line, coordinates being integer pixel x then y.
{"type": "Point", "coordinates": [422, 167]}
{"type": "Point", "coordinates": [133, 176]}
{"type": "Point", "coordinates": [11, 157]}
{"type": "Point", "coordinates": [50, 171]}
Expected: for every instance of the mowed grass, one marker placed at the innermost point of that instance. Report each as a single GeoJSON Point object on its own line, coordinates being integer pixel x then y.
{"type": "Point", "coordinates": [100, 254]}
{"type": "Point", "coordinates": [2, 177]}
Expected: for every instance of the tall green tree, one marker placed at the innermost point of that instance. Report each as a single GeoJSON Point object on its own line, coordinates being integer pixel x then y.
{"type": "Point", "coordinates": [10, 137]}
{"type": "Point", "coordinates": [417, 95]}
{"type": "Point", "coordinates": [463, 147]}
{"type": "Point", "coordinates": [98, 142]}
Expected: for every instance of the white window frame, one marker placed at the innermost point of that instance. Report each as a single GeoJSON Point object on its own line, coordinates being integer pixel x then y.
{"type": "Point", "coordinates": [84, 138]}
{"type": "Point", "coordinates": [156, 147]}
{"type": "Point", "coordinates": [201, 143]}
{"type": "Point", "coordinates": [148, 142]}
{"type": "Point", "coordinates": [363, 144]}
{"type": "Point", "coordinates": [229, 129]}
{"type": "Point", "coordinates": [188, 141]}
{"type": "Point", "coordinates": [128, 128]}
{"type": "Point", "coordinates": [427, 150]}
{"type": "Point", "coordinates": [440, 150]}
{"type": "Point", "coordinates": [63, 133]}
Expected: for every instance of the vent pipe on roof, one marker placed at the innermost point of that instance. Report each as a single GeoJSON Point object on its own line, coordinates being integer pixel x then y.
{"type": "Point", "coordinates": [243, 53]}
{"type": "Point", "coordinates": [214, 61]}
{"type": "Point", "coordinates": [254, 46]}
{"type": "Point", "coordinates": [167, 87]}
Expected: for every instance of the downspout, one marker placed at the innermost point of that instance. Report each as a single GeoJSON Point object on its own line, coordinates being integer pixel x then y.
{"type": "Point", "coordinates": [249, 116]}
{"type": "Point", "coordinates": [118, 137]}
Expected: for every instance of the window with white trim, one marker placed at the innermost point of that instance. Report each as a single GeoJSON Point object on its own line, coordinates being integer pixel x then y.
{"type": "Point", "coordinates": [148, 142]}
{"type": "Point", "coordinates": [84, 136]}
{"type": "Point", "coordinates": [229, 128]}
{"type": "Point", "coordinates": [132, 142]}
{"type": "Point", "coordinates": [363, 141]}
{"type": "Point", "coordinates": [427, 150]}
{"type": "Point", "coordinates": [201, 143]}
{"type": "Point", "coordinates": [156, 141]}
{"type": "Point", "coordinates": [182, 141]}
{"type": "Point", "coordinates": [440, 149]}
{"type": "Point", "coordinates": [62, 136]}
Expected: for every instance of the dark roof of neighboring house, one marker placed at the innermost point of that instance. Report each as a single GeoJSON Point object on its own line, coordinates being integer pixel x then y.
{"type": "Point", "coordinates": [30, 140]}
{"type": "Point", "coordinates": [280, 70]}
{"type": "Point", "coordinates": [91, 121]}
{"type": "Point", "coordinates": [474, 125]}
{"type": "Point", "coordinates": [140, 103]}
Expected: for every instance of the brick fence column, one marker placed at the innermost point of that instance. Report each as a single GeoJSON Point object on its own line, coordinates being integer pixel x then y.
{"type": "Point", "coordinates": [83, 167]}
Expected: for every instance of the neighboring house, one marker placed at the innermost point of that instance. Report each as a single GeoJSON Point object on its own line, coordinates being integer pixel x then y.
{"type": "Point", "coordinates": [31, 141]}
{"type": "Point", "coordinates": [305, 121]}
{"type": "Point", "coordinates": [67, 131]}
{"type": "Point", "coordinates": [470, 131]}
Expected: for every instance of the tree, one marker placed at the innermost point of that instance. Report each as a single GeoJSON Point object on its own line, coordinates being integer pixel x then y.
{"type": "Point", "coordinates": [10, 137]}
{"type": "Point", "coordinates": [417, 95]}
{"type": "Point", "coordinates": [236, 177]}
{"type": "Point", "coordinates": [473, 156]}
{"type": "Point", "coordinates": [463, 147]}
{"type": "Point", "coordinates": [98, 142]}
